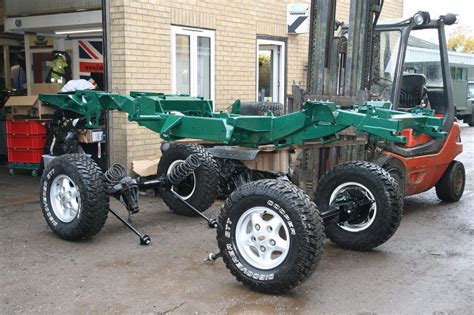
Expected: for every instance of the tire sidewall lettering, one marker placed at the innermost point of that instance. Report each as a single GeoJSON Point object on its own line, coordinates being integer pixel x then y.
{"type": "Point", "coordinates": [45, 197]}
{"type": "Point", "coordinates": [55, 171]}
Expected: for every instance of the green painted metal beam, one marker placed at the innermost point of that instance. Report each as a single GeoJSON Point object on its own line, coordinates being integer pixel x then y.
{"type": "Point", "coordinates": [177, 117]}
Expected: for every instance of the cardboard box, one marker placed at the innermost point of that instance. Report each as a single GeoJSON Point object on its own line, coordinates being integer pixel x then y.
{"type": "Point", "coordinates": [145, 168]}
{"type": "Point", "coordinates": [44, 88]}
{"type": "Point", "coordinates": [29, 106]}
{"type": "Point", "coordinates": [25, 111]}
{"type": "Point", "coordinates": [91, 136]}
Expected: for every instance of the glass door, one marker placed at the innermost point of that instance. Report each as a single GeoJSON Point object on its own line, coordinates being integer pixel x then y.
{"type": "Point", "coordinates": [270, 71]}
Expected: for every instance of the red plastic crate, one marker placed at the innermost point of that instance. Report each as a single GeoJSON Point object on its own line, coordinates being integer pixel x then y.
{"type": "Point", "coordinates": [26, 127]}
{"type": "Point", "coordinates": [25, 155]}
{"type": "Point", "coordinates": [26, 142]}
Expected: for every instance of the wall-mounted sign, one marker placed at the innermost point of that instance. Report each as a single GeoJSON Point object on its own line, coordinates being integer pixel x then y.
{"type": "Point", "coordinates": [298, 18]}
{"type": "Point", "coordinates": [40, 41]}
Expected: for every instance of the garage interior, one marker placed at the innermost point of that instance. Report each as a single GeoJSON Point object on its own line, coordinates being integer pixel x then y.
{"type": "Point", "coordinates": [31, 36]}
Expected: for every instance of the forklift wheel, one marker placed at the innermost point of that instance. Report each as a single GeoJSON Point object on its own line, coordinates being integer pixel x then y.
{"type": "Point", "coordinates": [370, 204]}
{"type": "Point", "coordinates": [199, 189]}
{"type": "Point", "coordinates": [270, 235]}
{"type": "Point", "coordinates": [72, 197]}
{"type": "Point", "coordinates": [451, 186]}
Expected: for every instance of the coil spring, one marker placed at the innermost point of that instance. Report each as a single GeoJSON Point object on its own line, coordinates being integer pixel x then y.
{"type": "Point", "coordinates": [181, 171]}
{"type": "Point", "coordinates": [114, 174]}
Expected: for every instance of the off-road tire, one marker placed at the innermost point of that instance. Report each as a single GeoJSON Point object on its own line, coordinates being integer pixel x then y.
{"type": "Point", "coordinates": [396, 173]}
{"type": "Point", "coordinates": [207, 180]}
{"type": "Point", "coordinates": [388, 198]}
{"type": "Point", "coordinates": [448, 188]}
{"type": "Point", "coordinates": [306, 234]}
{"type": "Point", "coordinates": [261, 108]}
{"type": "Point", "coordinates": [94, 202]}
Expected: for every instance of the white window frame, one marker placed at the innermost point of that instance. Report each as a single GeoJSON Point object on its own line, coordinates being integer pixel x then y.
{"type": "Point", "coordinates": [193, 34]}
{"type": "Point", "coordinates": [281, 65]}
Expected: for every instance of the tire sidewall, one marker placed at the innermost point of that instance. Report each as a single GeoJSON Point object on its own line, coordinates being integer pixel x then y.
{"type": "Point", "coordinates": [56, 168]}
{"type": "Point", "coordinates": [232, 251]}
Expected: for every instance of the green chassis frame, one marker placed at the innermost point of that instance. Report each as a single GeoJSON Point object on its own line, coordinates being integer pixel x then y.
{"type": "Point", "coordinates": [178, 116]}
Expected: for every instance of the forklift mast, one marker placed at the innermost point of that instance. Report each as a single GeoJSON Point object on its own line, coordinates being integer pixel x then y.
{"type": "Point", "coordinates": [339, 66]}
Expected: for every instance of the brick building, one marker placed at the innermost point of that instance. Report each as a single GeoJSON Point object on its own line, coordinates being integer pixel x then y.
{"type": "Point", "coordinates": [144, 37]}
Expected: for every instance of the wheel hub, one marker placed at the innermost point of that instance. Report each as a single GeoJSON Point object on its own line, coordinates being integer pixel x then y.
{"type": "Point", "coordinates": [65, 198]}
{"type": "Point", "coordinates": [357, 204]}
{"type": "Point", "coordinates": [458, 180]}
{"type": "Point", "coordinates": [262, 238]}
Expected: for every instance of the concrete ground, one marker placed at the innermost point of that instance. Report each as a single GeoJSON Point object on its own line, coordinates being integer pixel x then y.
{"type": "Point", "coordinates": [427, 266]}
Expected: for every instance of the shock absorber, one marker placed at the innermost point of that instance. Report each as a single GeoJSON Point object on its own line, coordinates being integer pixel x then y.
{"type": "Point", "coordinates": [125, 189]}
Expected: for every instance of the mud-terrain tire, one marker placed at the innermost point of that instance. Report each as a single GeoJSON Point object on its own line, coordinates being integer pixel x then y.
{"type": "Point", "coordinates": [451, 185]}
{"type": "Point", "coordinates": [72, 197]}
{"type": "Point", "coordinates": [396, 173]}
{"type": "Point", "coordinates": [198, 189]}
{"type": "Point", "coordinates": [261, 108]}
{"type": "Point", "coordinates": [280, 217]}
{"type": "Point", "coordinates": [374, 200]}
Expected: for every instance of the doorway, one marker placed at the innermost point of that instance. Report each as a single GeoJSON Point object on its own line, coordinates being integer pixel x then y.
{"type": "Point", "coordinates": [270, 71]}
{"type": "Point", "coordinates": [41, 66]}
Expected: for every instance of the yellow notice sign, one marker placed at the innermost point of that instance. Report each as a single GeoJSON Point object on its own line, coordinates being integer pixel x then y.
{"type": "Point", "coordinates": [40, 41]}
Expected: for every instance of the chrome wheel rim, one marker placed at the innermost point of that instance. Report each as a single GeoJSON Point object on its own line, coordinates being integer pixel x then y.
{"type": "Point", "coordinates": [186, 188]}
{"type": "Point", "coordinates": [262, 238]}
{"type": "Point", "coordinates": [65, 198]}
{"type": "Point", "coordinates": [359, 191]}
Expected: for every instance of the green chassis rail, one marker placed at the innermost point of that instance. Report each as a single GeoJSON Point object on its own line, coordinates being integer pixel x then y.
{"type": "Point", "coordinates": [177, 117]}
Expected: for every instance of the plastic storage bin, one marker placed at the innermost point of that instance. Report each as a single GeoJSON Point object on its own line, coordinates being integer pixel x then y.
{"type": "Point", "coordinates": [24, 155]}
{"type": "Point", "coordinates": [26, 127]}
{"type": "Point", "coordinates": [26, 141]}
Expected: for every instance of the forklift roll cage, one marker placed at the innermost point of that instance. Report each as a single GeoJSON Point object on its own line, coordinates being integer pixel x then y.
{"type": "Point", "coordinates": [405, 28]}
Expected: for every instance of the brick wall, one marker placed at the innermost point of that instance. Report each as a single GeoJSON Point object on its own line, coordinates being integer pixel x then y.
{"type": "Point", "coordinates": [141, 53]}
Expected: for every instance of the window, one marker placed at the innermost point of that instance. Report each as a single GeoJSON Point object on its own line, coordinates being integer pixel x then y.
{"type": "Point", "coordinates": [384, 64]}
{"type": "Point", "coordinates": [458, 73]}
{"type": "Point", "coordinates": [192, 61]}
{"type": "Point", "coordinates": [428, 60]}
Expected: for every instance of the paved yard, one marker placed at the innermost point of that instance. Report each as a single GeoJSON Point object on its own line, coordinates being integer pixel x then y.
{"type": "Point", "coordinates": [427, 267]}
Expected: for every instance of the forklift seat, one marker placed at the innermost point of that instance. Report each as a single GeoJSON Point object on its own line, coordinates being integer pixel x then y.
{"type": "Point", "coordinates": [413, 91]}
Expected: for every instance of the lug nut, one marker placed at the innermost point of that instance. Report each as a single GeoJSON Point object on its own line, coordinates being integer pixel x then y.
{"type": "Point", "coordinates": [269, 229]}
{"type": "Point", "coordinates": [253, 239]}
{"type": "Point", "coordinates": [272, 242]}
{"type": "Point", "coordinates": [262, 249]}
{"type": "Point", "coordinates": [257, 227]}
